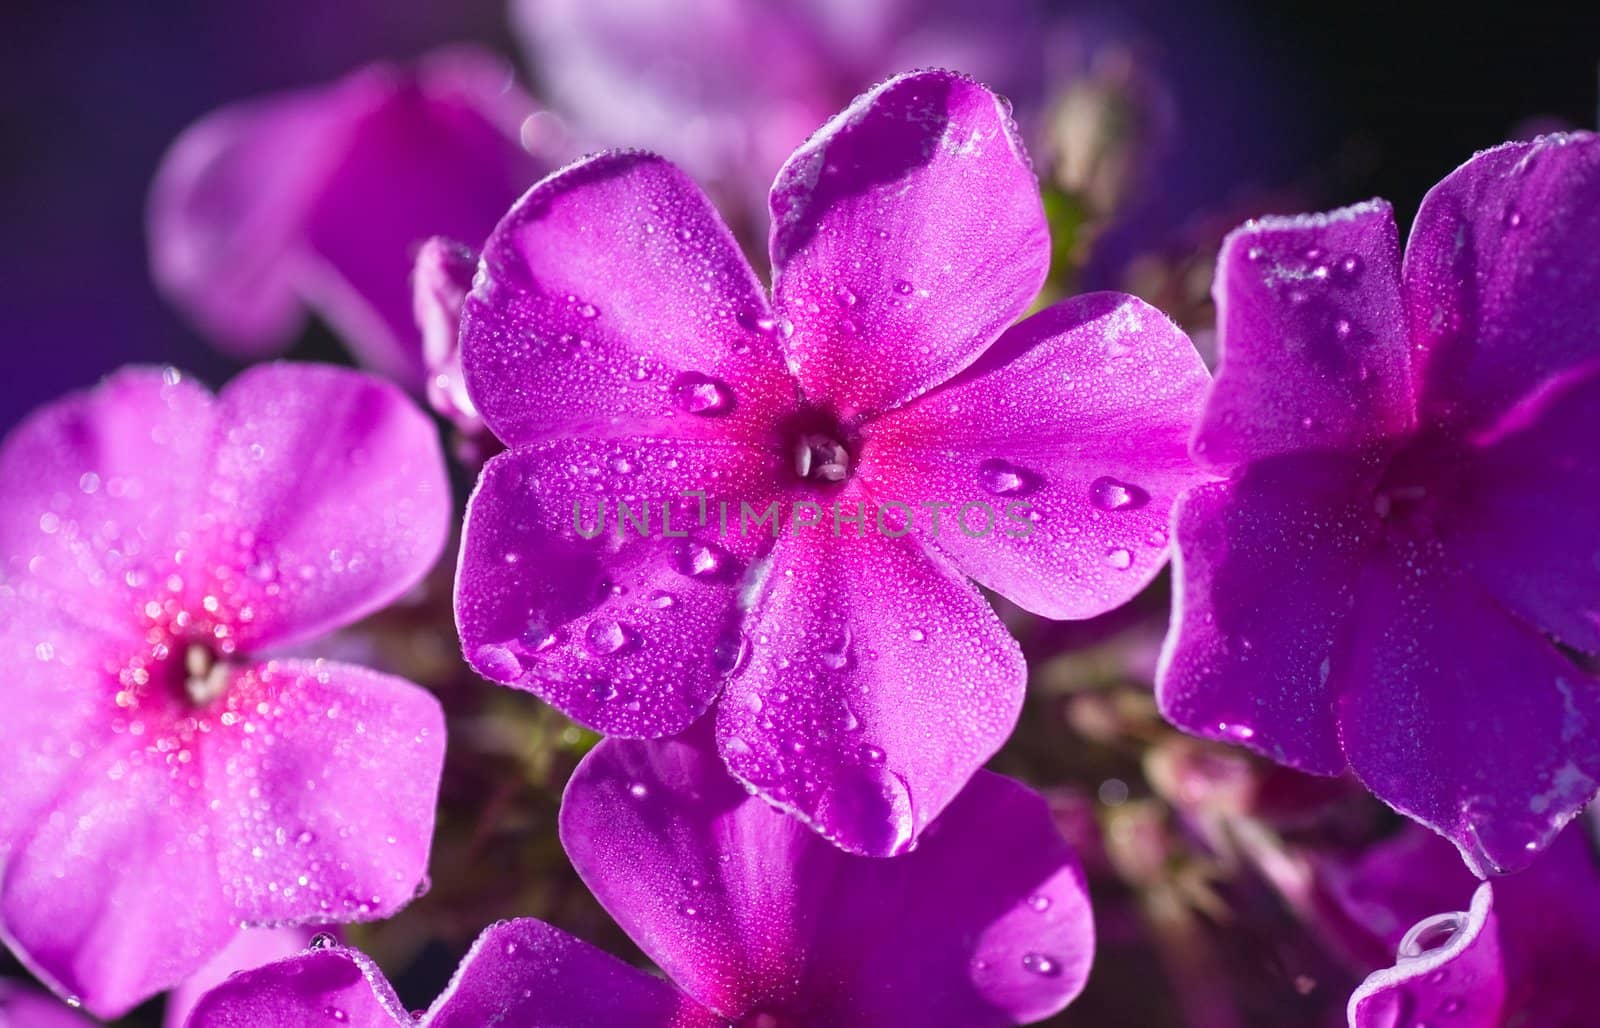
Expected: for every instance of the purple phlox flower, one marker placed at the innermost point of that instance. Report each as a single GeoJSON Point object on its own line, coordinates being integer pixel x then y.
{"type": "Point", "coordinates": [620, 345]}
{"type": "Point", "coordinates": [250, 948]}
{"type": "Point", "coordinates": [22, 1006]}
{"type": "Point", "coordinates": [319, 198]}
{"type": "Point", "coordinates": [1520, 950]}
{"type": "Point", "coordinates": [755, 920]}
{"type": "Point", "coordinates": [167, 777]}
{"type": "Point", "coordinates": [729, 90]}
{"type": "Point", "coordinates": [1408, 516]}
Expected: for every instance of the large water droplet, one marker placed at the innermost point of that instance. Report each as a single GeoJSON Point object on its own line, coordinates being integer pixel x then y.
{"type": "Point", "coordinates": [321, 940]}
{"type": "Point", "coordinates": [1002, 478]}
{"type": "Point", "coordinates": [867, 809]}
{"type": "Point", "coordinates": [1110, 494]}
{"type": "Point", "coordinates": [731, 652]}
{"type": "Point", "coordinates": [1041, 965]}
{"type": "Point", "coordinates": [1119, 558]}
{"type": "Point", "coordinates": [1429, 934]}
{"type": "Point", "coordinates": [604, 637]}
{"type": "Point", "coordinates": [1236, 731]}
{"type": "Point", "coordinates": [701, 560]}
{"type": "Point", "coordinates": [700, 394]}
{"type": "Point", "coordinates": [497, 663]}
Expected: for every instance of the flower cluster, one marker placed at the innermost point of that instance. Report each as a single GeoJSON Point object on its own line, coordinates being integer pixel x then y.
{"type": "Point", "coordinates": [784, 673]}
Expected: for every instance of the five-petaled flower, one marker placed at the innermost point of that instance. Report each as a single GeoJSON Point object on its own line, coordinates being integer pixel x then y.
{"type": "Point", "coordinates": [1409, 515]}
{"type": "Point", "coordinates": [171, 770]}
{"type": "Point", "coordinates": [621, 347]}
{"type": "Point", "coordinates": [755, 920]}
{"type": "Point", "coordinates": [319, 198]}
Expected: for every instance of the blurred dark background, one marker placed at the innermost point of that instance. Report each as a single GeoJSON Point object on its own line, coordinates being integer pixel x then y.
{"type": "Point", "coordinates": [1365, 98]}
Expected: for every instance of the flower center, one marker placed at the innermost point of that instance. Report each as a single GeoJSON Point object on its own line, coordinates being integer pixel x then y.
{"type": "Point", "coordinates": [205, 677]}
{"type": "Point", "coordinates": [820, 457]}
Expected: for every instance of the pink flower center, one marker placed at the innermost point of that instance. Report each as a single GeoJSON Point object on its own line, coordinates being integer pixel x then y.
{"type": "Point", "coordinates": [206, 676]}
{"type": "Point", "coordinates": [821, 449]}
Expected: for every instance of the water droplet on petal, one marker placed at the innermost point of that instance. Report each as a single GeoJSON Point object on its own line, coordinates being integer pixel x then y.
{"type": "Point", "coordinates": [1119, 558]}
{"type": "Point", "coordinates": [604, 637]}
{"type": "Point", "coordinates": [1002, 478]}
{"type": "Point", "coordinates": [1041, 965]}
{"type": "Point", "coordinates": [700, 394]}
{"type": "Point", "coordinates": [497, 663]}
{"type": "Point", "coordinates": [1429, 934]}
{"type": "Point", "coordinates": [903, 287]}
{"type": "Point", "coordinates": [321, 940]}
{"type": "Point", "coordinates": [845, 297]}
{"type": "Point", "coordinates": [638, 790]}
{"type": "Point", "coordinates": [1110, 494]}
{"type": "Point", "coordinates": [588, 310]}
{"type": "Point", "coordinates": [1039, 903]}
{"type": "Point", "coordinates": [867, 809]}
{"type": "Point", "coordinates": [1236, 731]}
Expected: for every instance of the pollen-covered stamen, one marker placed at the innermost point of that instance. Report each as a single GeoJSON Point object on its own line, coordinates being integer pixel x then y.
{"type": "Point", "coordinates": [821, 458]}
{"type": "Point", "coordinates": [206, 677]}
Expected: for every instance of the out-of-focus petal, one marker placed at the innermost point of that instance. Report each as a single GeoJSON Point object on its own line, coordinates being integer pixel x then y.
{"type": "Point", "coordinates": [613, 301]}
{"type": "Point", "coordinates": [1461, 716]}
{"type": "Point", "coordinates": [1311, 326]}
{"type": "Point", "coordinates": [333, 985]}
{"type": "Point", "coordinates": [985, 923]}
{"type": "Point", "coordinates": [23, 1007]}
{"type": "Point", "coordinates": [319, 198]}
{"type": "Point", "coordinates": [525, 972]}
{"type": "Point", "coordinates": [1265, 583]}
{"type": "Point", "coordinates": [101, 488]}
{"type": "Point", "coordinates": [629, 631]}
{"type": "Point", "coordinates": [1060, 453]}
{"type": "Point", "coordinates": [1449, 972]}
{"type": "Point", "coordinates": [907, 234]}
{"type": "Point", "coordinates": [878, 681]}
{"type": "Point", "coordinates": [251, 948]}
{"type": "Point", "coordinates": [1500, 278]}
{"type": "Point", "coordinates": [329, 500]}
{"type": "Point", "coordinates": [1529, 524]}
{"type": "Point", "coordinates": [439, 284]}
{"type": "Point", "coordinates": [326, 778]}
{"type": "Point", "coordinates": [87, 899]}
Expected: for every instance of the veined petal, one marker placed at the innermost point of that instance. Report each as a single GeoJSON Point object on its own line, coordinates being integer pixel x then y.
{"type": "Point", "coordinates": [907, 234]}
{"type": "Point", "coordinates": [827, 718]}
{"type": "Point", "coordinates": [1311, 327]}
{"type": "Point", "coordinates": [1459, 981]}
{"type": "Point", "coordinates": [251, 948]}
{"type": "Point", "coordinates": [1058, 455]}
{"type": "Point", "coordinates": [614, 301]}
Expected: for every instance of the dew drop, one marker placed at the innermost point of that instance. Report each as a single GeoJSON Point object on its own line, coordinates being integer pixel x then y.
{"type": "Point", "coordinates": [1041, 965]}
{"type": "Point", "coordinates": [688, 909]}
{"type": "Point", "coordinates": [731, 652]}
{"type": "Point", "coordinates": [497, 663]}
{"type": "Point", "coordinates": [321, 940]}
{"type": "Point", "coordinates": [1002, 478]}
{"type": "Point", "coordinates": [1429, 934]}
{"type": "Point", "coordinates": [700, 394]}
{"type": "Point", "coordinates": [1110, 494]}
{"type": "Point", "coordinates": [638, 790]}
{"type": "Point", "coordinates": [604, 637]}
{"type": "Point", "coordinates": [845, 297]}
{"type": "Point", "coordinates": [916, 635]}
{"type": "Point", "coordinates": [1342, 328]}
{"type": "Point", "coordinates": [663, 600]}
{"type": "Point", "coordinates": [1236, 731]}
{"type": "Point", "coordinates": [903, 287]}
{"type": "Point", "coordinates": [1039, 903]}
{"type": "Point", "coordinates": [588, 310]}
{"type": "Point", "coordinates": [1119, 558]}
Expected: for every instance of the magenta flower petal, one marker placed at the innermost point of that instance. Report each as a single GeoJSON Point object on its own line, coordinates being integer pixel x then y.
{"type": "Point", "coordinates": [1534, 491]}
{"type": "Point", "coordinates": [83, 885]}
{"type": "Point", "coordinates": [319, 198]}
{"type": "Point", "coordinates": [97, 482]}
{"type": "Point", "coordinates": [439, 283]}
{"type": "Point", "coordinates": [1265, 581]}
{"type": "Point", "coordinates": [985, 923]}
{"type": "Point", "coordinates": [332, 985]}
{"type": "Point", "coordinates": [1501, 277]}
{"type": "Point", "coordinates": [907, 234]}
{"type": "Point", "coordinates": [617, 273]}
{"type": "Point", "coordinates": [525, 972]}
{"type": "Point", "coordinates": [1424, 696]}
{"type": "Point", "coordinates": [1458, 981]}
{"type": "Point", "coordinates": [23, 1007]}
{"type": "Point", "coordinates": [1058, 498]}
{"type": "Point", "coordinates": [145, 753]}
{"type": "Point", "coordinates": [328, 769]}
{"type": "Point", "coordinates": [331, 496]}
{"type": "Point", "coordinates": [629, 633]}
{"type": "Point", "coordinates": [825, 720]}
{"type": "Point", "coordinates": [1316, 354]}
{"type": "Point", "coordinates": [250, 949]}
